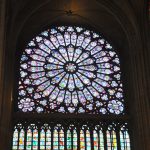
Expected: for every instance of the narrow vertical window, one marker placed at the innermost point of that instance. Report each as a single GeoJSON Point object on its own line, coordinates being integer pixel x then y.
{"type": "Point", "coordinates": [88, 140]}
{"type": "Point", "coordinates": [35, 139]}
{"type": "Point", "coordinates": [69, 140]}
{"type": "Point", "coordinates": [15, 140]}
{"type": "Point", "coordinates": [75, 139]}
{"type": "Point", "coordinates": [29, 139]}
{"type": "Point", "coordinates": [124, 139]}
{"type": "Point", "coordinates": [82, 140]}
{"type": "Point", "coordinates": [111, 139]}
{"type": "Point", "coordinates": [48, 139]}
{"type": "Point", "coordinates": [95, 139]}
{"type": "Point", "coordinates": [55, 139]}
{"type": "Point", "coordinates": [21, 140]}
{"type": "Point", "coordinates": [101, 140]}
{"type": "Point", "coordinates": [61, 139]}
{"type": "Point", "coordinates": [42, 139]}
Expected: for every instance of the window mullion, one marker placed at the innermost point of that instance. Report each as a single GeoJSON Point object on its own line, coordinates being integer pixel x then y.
{"type": "Point", "coordinates": [18, 137]}
{"type": "Point", "coordinates": [65, 138]}
{"type": "Point", "coordinates": [32, 139]}
{"type": "Point", "coordinates": [118, 139]}
{"type": "Point", "coordinates": [105, 139]}
{"type": "Point", "coordinates": [25, 137]}
{"type": "Point", "coordinates": [85, 140]}
{"type": "Point", "coordinates": [39, 131]}
{"type": "Point", "coordinates": [91, 138]}
{"type": "Point", "coordinates": [52, 132]}
{"type": "Point", "coordinates": [78, 138]}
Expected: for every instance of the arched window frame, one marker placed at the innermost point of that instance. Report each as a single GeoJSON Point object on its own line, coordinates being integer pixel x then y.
{"type": "Point", "coordinates": [110, 118]}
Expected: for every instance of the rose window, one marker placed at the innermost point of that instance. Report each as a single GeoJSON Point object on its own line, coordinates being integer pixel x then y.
{"type": "Point", "coordinates": [70, 70]}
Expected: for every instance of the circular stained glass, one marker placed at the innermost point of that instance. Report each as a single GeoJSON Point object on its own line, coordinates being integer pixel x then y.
{"type": "Point", "coordinates": [70, 70]}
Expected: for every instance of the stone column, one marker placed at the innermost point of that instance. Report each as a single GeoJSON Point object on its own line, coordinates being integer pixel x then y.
{"type": "Point", "coordinates": [5, 92]}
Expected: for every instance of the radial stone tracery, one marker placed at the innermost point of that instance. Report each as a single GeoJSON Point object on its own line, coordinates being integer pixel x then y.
{"type": "Point", "coordinates": [70, 70]}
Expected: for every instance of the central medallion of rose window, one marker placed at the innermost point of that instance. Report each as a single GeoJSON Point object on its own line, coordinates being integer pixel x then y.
{"type": "Point", "coordinates": [71, 68]}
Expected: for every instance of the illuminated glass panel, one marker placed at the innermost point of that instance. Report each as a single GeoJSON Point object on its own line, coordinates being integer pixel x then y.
{"type": "Point", "coordinates": [21, 139]}
{"type": "Point", "coordinates": [101, 140]}
{"type": "Point", "coordinates": [55, 140]}
{"type": "Point", "coordinates": [59, 132]}
{"type": "Point", "coordinates": [69, 140]}
{"type": "Point", "coordinates": [95, 140]}
{"type": "Point", "coordinates": [124, 139]}
{"type": "Point", "coordinates": [15, 140]}
{"type": "Point", "coordinates": [48, 139]}
{"type": "Point", "coordinates": [61, 139]}
{"type": "Point", "coordinates": [29, 139]}
{"type": "Point", "coordinates": [82, 140]}
{"type": "Point", "coordinates": [111, 139]}
{"type": "Point", "coordinates": [42, 139]}
{"type": "Point", "coordinates": [88, 140]}
{"type": "Point", "coordinates": [35, 139]}
{"type": "Point", "coordinates": [70, 70]}
{"type": "Point", "coordinates": [74, 139]}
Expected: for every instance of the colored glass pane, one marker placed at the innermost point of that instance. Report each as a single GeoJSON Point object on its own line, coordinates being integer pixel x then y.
{"type": "Point", "coordinates": [15, 140]}
{"type": "Point", "coordinates": [69, 140]}
{"type": "Point", "coordinates": [21, 140]}
{"type": "Point", "coordinates": [101, 140]}
{"type": "Point", "coordinates": [95, 140]}
{"type": "Point", "coordinates": [85, 140]}
{"type": "Point", "coordinates": [111, 139]}
{"type": "Point", "coordinates": [124, 139]}
{"type": "Point", "coordinates": [42, 140]}
{"type": "Point", "coordinates": [74, 139]}
{"type": "Point", "coordinates": [48, 139]}
{"type": "Point", "coordinates": [55, 140]}
{"type": "Point", "coordinates": [29, 139]}
{"type": "Point", "coordinates": [61, 139]}
{"type": "Point", "coordinates": [70, 70]}
{"type": "Point", "coordinates": [88, 140]}
{"type": "Point", "coordinates": [82, 140]}
{"type": "Point", "coordinates": [35, 140]}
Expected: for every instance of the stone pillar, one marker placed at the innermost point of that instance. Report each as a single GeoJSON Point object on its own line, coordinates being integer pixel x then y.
{"type": "Point", "coordinates": [5, 92]}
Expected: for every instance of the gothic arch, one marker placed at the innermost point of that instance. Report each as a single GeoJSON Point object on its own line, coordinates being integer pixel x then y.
{"type": "Point", "coordinates": [134, 48]}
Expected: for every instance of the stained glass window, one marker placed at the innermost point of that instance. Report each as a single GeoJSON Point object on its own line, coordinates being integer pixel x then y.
{"type": "Point", "coordinates": [82, 140]}
{"type": "Point", "coordinates": [32, 137]}
{"type": "Point", "coordinates": [88, 140]}
{"type": "Point", "coordinates": [75, 139]}
{"type": "Point", "coordinates": [124, 138]}
{"type": "Point", "coordinates": [45, 137]}
{"type": "Point", "coordinates": [70, 70]}
{"type": "Point", "coordinates": [111, 138]}
{"type": "Point", "coordinates": [69, 142]}
{"type": "Point", "coordinates": [42, 139]}
{"type": "Point", "coordinates": [101, 140]}
{"type": "Point", "coordinates": [15, 140]}
{"type": "Point", "coordinates": [95, 140]}
{"type": "Point", "coordinates": [21, 139]}
{"type": "Point", "coordinates": [98, 138]}
{"type": "Point", "coordinates": [54, 137]}
{"type": "Point", "coordinates": [61, 139]}
{"type": "Point", "coordinates": [48, 139]}
{"type": "Point", "coordinates": [29, 139]}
